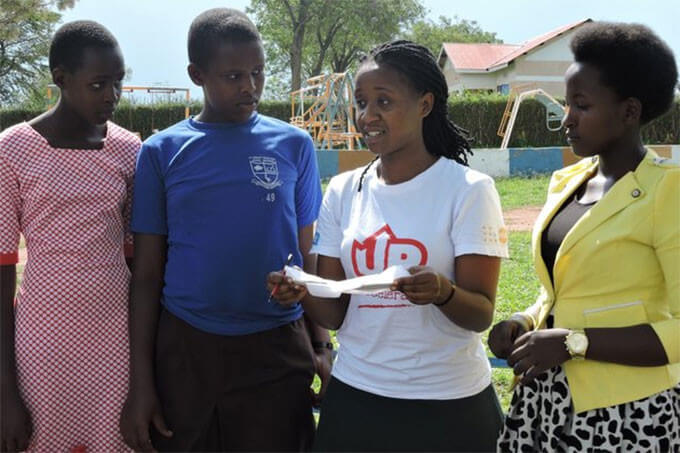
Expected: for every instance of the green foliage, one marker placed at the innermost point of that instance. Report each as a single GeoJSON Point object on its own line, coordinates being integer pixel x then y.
{"type": "Point", "coordinates": [433, 34]}
{"type": "Point", "coordinates": [480, 114]}
{"type": "Point", "coordinates": [26, 27]}
{"type": "Point", "coordinates": [313, 36]}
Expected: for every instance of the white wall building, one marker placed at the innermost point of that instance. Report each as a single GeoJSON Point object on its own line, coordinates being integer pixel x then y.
{"type": "Point", "coordinates": [538, 63]}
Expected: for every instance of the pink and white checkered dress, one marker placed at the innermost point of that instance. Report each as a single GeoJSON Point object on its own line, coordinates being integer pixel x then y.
{"type": "Point", "coordinates": [73, 208]}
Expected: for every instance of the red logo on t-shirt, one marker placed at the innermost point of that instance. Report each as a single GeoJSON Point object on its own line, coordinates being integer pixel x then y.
{"type": "Point", "coordinates": [385, 246]}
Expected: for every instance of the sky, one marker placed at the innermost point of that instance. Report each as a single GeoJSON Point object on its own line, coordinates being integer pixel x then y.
{"type": "Point", "coordinates": [152, 33]}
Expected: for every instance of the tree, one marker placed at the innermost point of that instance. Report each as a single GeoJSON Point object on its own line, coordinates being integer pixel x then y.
{"type": "Point", "coordinates": [373, 22]}
{"type": "Point", "coordinates": [312, 35]}
{"type": "Point", "coordinates": [432, 34]}
{"type": "Point", "coordinates": [284, 23]}
{"type": "Point", "coordinates": [26, 27]}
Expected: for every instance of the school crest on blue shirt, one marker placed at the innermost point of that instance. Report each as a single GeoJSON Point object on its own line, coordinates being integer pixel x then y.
{"type": "Point", "coordinates": [266, 172]}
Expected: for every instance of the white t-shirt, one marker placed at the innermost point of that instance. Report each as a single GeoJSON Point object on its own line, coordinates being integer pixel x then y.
{"type": "Point", "coordinates": [389, 346]}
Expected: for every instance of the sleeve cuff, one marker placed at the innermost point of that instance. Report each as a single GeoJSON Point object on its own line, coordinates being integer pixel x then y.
{"type": "Point", "coordinates": [668, 332]}
{"type": "Point", "coordinates": [7, 259]}
{"type": "Point", "coordinates": [333, 252]}
{"type": "Point", "coordinates": [482, 249]}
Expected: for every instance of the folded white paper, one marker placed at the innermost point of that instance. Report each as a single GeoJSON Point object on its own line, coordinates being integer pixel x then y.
{"type": "Point", "coordinates": [367, 284]}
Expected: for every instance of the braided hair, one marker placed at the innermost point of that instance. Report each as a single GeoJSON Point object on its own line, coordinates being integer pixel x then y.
{"type": "Point", "coordinates": [417, 64]}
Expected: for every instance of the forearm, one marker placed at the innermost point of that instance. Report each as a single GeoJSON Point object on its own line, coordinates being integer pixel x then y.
{"type": "Point", "coordinates": [326, 313]}
{"type": "Point", "coordinates": [8, 279]}
{"type": "Point", "coordinates": [469, 310]}
{"type": "Point", "coordinates": [635, 346]}
{"type": "Point", "coordinates": [144, 313]}
{"type": "Point", "coordinates": [146, 288]}
{"type": "Point", "coordinates": [316, 332]}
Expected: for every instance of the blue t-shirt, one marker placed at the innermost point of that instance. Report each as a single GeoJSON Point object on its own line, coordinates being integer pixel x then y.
{"type": "Point", "coordinates": [230, 198]}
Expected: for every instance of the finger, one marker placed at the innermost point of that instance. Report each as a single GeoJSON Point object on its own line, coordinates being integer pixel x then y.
{"type": "Point", "coordinates": [416, 269]}
{"type": "Point", "coordinates": [532, 373]}
{"type": "Point", "coordinates": [522, 339]}
{"type": "Point", "coordinates": [274, 278]}
{"type": "Point", "coordinates": [22, 444]}
{"type": "Point", "coordinates": [159, 423]}
{"type": "Point", "coordinates": [415, 279]}
{"type": "Point", "coordinates": [517, 354]}
{"type": "Point", "coordinates": [419, 288]}
{"type": "Point", "coordinates": [290, 297]}
{"type": "Point", "coordinates": [142, 441]}
{"type": "Point", "coordinates": [500, 341]}
{"type": "Point", "coordinates": [521, 367]}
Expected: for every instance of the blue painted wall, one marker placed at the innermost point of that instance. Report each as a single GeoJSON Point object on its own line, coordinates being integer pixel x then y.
{"type": "Point", "coordinates": [535, 160]}
{"type": "Point", "coordinates": [328, 163]}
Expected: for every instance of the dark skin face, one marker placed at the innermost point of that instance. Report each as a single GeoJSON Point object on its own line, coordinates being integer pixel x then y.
{"type": "Point", "coordinates": [232, 82]}
{"type": "Point", "coordinates": [601, 123]}
{"type": "Point", "coordinates": [89, 95]}
{"type": "Point", "coordinates": [389, 111]}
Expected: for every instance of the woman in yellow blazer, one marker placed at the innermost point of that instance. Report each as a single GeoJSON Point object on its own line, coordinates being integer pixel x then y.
{"type": "Point", "coordinates": [599, 352]}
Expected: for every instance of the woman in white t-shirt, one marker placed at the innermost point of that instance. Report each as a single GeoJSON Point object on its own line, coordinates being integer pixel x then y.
{"type": "Point", "coordinates": [411, 372]}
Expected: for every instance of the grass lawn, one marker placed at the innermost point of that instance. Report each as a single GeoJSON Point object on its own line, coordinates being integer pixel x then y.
{"type": "Point", "coordinates": [517, 192]}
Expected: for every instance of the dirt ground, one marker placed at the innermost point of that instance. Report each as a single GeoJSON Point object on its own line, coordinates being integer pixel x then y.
{"type": "Point", "coordinates": [521, 219]}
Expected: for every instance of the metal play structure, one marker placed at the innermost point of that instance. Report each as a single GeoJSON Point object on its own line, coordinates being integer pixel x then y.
{"type": "Point", "coordinates": [324, 107]}
{"type": "Point", "coordinates": [554, 112]}
{"type": "Point", "coordinates": [152, 91]}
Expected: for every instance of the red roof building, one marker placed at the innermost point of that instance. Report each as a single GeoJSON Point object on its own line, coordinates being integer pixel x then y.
{"type": "Point", "coordinates": [537, 63]}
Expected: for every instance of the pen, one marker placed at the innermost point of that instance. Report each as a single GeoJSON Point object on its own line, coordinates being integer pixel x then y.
{"type": "Point", "coordinates": [276, 287]}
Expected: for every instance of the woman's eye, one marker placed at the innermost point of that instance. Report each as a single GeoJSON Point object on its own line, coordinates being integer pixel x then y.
{"type": "Point", "coordinates": [97, 85]}
{"type": "Point", "coordinates": [361, 104]}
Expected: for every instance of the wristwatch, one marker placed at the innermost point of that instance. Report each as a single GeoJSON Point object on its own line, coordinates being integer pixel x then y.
{"type": "Point", "coordinates": [322, 345]}
{"type": "Point", "coordinates": [577, 344]}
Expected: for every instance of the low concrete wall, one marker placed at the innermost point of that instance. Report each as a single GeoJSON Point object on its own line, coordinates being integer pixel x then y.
{"type": "Point", "coordinates": [493, 162]}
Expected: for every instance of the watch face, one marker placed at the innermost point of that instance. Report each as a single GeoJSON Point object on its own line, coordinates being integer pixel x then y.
{"type": "Point", "coordinates": [578, 342]}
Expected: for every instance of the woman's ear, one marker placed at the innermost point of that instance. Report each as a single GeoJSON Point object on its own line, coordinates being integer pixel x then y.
{"type": "Point", "coordinates": [426, 104]}
{"type": "Point", "coordinates": [632, 110]}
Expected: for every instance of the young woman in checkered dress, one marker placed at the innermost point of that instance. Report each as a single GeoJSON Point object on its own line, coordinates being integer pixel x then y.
{"type": "Point", "coordinates": [65, 184]}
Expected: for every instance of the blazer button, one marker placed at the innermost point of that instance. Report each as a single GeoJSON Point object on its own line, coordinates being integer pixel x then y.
{"type": "Point", "coordinates": [635, 193]}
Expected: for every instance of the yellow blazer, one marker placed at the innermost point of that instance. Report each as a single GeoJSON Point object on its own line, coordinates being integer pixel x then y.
{"type": "Point", "coordinates": [618, 266]}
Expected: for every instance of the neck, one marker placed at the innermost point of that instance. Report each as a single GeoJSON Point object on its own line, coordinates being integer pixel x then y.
{"type": "Point", "coordinates": [208, 115]}
{"type": "Point", "coordinates": [621, 157]}
{"type": "Point", "coordinates": [404, 165]}
{"type": "Point", "coordinates": [68, 124]}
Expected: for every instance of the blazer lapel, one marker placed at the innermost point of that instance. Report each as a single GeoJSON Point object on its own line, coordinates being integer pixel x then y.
{"type": "Point", "coordinates": [624, 192]}
{"type": "Point", "coordinates": [552, 205]}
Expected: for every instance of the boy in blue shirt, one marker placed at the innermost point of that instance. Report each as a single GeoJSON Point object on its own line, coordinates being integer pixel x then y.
{"type": "Point", "coordinates": [221, 200]}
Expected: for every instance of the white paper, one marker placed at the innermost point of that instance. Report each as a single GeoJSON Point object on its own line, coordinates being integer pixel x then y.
{"type": "Point", "coordinates": [367, 284]}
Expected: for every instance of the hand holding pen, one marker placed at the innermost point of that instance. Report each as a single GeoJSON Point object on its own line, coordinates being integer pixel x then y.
{"type": "Point", "coordinates": [282, 288]}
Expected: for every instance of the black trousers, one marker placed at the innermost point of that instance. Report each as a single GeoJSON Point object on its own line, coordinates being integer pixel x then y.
{"type": "Point", "coordinates": [354, 420]}
{"type": "Point", "coordinates": [234, 393]}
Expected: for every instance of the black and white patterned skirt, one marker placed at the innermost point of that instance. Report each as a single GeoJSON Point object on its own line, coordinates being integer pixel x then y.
{"type": "Point", "coordinates": [542, 418]}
